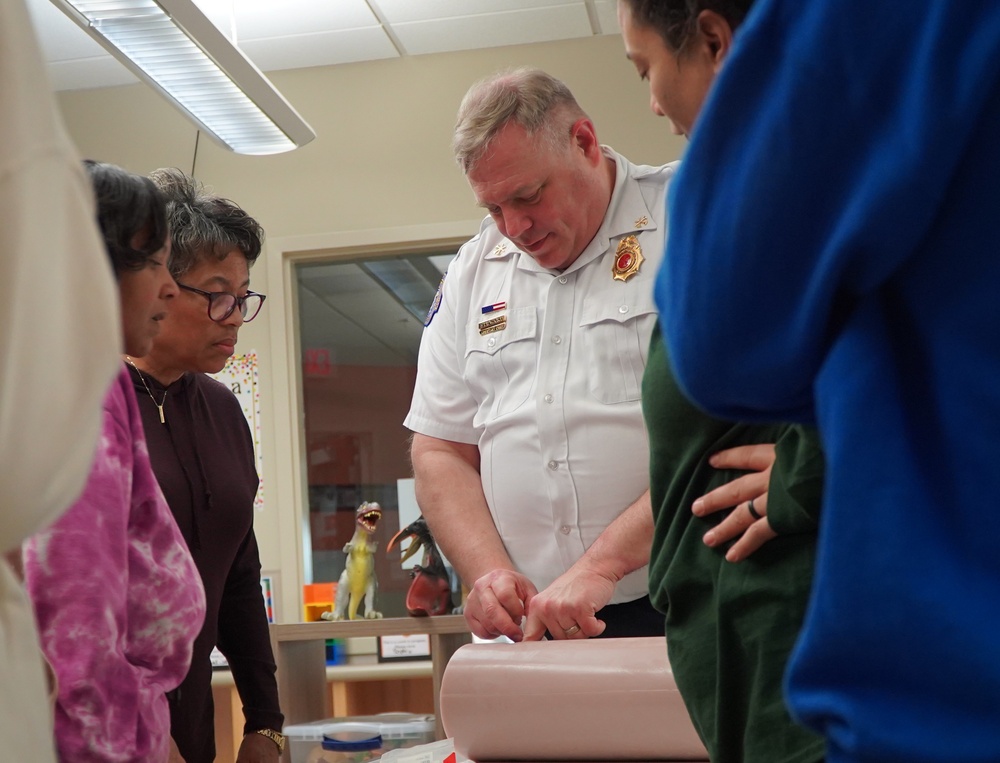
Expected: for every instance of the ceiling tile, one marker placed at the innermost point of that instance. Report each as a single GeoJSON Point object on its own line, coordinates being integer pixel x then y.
{"type": "Point", "coordinates": [403, 11]}
{"type": "Point", "coordinates": [607, 16]}
{"type": "Point", "coordinates": [494, 29]}
{"type": "Point", "coordinates": [256, 19]}
{"type": "Point", "coordinates": [59, 36]}
{"type": "Point", "coordinates": [321, 49]}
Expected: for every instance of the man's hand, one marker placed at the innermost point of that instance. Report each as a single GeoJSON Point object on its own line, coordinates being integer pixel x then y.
{"type": "Point", "coordinates": [753, 533]}
{"type": "Point", "coordinates": [497, 602]}
{"type": "Point", "coordinates": [257, 748]}
{"type": "Point", "coordinates": [568, 607]}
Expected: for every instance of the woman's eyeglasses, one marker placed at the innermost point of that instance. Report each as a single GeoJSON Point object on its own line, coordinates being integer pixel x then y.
{"type": "Point", "coordinates": [221, 303]}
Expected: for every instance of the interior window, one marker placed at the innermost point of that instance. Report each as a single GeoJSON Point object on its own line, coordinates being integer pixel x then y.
{"type": "Point", "coordinates": [360, 323]}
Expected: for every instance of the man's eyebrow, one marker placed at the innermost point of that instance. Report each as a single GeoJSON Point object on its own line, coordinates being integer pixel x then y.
{"type": "Point", "coordinates": [520, 193]}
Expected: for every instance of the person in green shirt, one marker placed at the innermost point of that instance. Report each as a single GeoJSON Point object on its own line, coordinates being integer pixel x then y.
{"type": "Point", "coordinates": [731, 565]}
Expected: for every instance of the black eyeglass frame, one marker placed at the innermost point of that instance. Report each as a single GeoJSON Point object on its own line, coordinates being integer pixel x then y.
{"type": "Point", "coordinates": [239, 302]}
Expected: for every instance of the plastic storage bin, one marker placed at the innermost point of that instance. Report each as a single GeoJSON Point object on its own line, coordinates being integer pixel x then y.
{"type": "Point", "coordinates": [397, 730]}
{"type": "Point", "coordinates": [349, 743]}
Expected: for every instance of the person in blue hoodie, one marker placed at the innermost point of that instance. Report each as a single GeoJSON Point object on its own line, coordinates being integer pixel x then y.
{"type": "Point", "coordinates": [833, 257]}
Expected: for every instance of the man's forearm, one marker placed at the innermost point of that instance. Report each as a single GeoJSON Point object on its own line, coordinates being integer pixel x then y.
{"type": "Point", "coordinates": [450, 495]}
{"type": "Point", "coordinates": [625, 544]}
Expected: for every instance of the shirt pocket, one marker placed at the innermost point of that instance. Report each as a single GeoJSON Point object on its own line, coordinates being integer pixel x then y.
{"type": "Point", "coordinates": [616, 340]}
{"type": "Point", "coordinates": [500, 366]}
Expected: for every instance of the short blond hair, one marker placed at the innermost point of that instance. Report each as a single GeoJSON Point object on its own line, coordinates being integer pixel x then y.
{"type": "Point", "coordinates": [531, 98]}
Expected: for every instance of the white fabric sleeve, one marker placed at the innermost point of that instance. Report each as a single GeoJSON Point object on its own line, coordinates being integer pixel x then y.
{"type": "Point", "coordinates": [442, 404]}
{"type": "Point", "coordinates": [60, 332]}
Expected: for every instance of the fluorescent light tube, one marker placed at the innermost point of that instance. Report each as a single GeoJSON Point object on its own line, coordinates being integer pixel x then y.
{"type": "Point", "coordinates": [174, 47]}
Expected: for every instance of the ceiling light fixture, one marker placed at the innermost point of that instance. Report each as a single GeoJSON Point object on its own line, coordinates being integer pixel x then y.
{"type": "Point", "coordinates": [172, 45]}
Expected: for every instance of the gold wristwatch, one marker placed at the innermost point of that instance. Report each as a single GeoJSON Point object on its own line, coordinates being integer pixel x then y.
{"type": "Point", "coordinates": [274, 736]}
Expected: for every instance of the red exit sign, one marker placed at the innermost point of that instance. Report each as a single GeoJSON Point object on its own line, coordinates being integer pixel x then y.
{"type": "Point", "coordinates": [317, 362]}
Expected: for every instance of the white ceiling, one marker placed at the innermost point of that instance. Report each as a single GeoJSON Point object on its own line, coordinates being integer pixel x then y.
{"type": "Point", "coordinates": [294, 34]}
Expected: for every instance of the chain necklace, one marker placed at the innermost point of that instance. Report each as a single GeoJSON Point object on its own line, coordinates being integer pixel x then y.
{"type": "Point", "coordinates": [159, 405]}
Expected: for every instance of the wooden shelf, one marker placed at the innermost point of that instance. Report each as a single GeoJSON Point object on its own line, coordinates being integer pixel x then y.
{"type": "Point", "coordinates": [389, 626]}
{"type": "Point", "coordinates": [359, 667]}
{"type": "Point", "coordinates": [300, 653]}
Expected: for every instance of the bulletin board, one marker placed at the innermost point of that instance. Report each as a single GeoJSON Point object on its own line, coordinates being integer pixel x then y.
{"type": "Point", "coordinates": [241, 376]}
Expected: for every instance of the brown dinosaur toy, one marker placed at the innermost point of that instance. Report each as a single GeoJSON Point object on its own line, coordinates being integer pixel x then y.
{"type": "Point", "coordinates": [430, 591]}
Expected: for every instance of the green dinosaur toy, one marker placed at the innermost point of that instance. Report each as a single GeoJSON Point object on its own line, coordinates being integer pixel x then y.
{"type": "Point", "coordinates": [358, 579]}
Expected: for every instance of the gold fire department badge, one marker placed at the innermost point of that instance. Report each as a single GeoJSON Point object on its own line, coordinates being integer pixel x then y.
{"type": "Point", "coordinates": [628, 258]}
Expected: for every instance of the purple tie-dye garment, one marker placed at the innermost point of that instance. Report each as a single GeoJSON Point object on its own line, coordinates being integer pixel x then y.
{"type": "Point", "coordinates": [118, 600]}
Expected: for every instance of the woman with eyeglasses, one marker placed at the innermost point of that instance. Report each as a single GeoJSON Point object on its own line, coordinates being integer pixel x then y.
{"type": "Point", "coordinates": [116, 594]}
{"type": "Point", "coordinates": [202, 454]}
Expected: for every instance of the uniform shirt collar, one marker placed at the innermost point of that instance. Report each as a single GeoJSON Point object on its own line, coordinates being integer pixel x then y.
{"type": "Point", "coordinates": [627, 213]}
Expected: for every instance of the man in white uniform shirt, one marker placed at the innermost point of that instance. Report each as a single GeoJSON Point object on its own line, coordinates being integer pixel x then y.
{"type": "Point", "coordinates": [530, 453]}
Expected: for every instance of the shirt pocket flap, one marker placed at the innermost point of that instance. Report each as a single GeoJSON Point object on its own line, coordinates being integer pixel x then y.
{"type": "Point", "coordinates": [600, 311]}
{"type": "Point", "coordinates": [486, 336]}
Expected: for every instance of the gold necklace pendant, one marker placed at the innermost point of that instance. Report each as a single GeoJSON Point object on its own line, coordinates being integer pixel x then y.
{"type": "Point", "coordinates": [159, 405]}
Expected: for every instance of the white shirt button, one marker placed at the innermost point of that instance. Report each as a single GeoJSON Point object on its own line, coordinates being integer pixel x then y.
{"type": "Point", "coordinates": [563, 279]}
{"type": "Point", "coordinates": [548, 398]}
{"type": "Point", "coordinates": [623, 309]}
{"type": "Point", "coordinates": [492, 341]}
{"type": "Point", "coordinates": [553, 464]}
{"type": "Point", "coordinates": [557, 340]}
{"type": "Point", "coordinates": [564, 530]}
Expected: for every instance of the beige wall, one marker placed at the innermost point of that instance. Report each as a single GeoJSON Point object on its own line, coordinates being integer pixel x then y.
{"type": "Point", "coordinates": [379, 171]}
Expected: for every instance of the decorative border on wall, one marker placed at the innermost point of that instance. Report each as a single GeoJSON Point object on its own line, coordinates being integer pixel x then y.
{"type": "Point", "coordinates": [240, 374]}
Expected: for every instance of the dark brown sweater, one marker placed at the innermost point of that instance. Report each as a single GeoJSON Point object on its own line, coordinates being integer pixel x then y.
{"type": "Point", "coordinates": [204, 461]}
